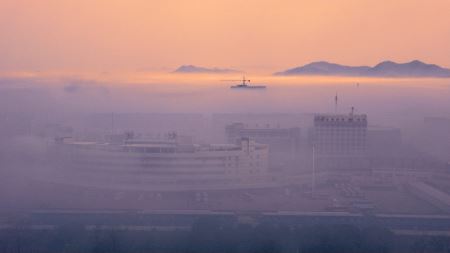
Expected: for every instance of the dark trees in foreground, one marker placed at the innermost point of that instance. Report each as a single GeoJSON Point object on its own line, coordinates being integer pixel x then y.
{"type": "Point", "coordinates": [209, 235]}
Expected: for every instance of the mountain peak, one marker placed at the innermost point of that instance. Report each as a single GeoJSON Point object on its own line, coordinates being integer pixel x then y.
{"type": "Point", "coordinates": [414, 68]}
{"type": "Point", "coordinates": [320, 63]}
{"type": "Point", "coordinates": [197, 69]}
{"type": "Point", "coordinates": [417, 62]}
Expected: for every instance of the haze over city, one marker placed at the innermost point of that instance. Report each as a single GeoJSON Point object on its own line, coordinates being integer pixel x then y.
{"type": "Point", "coordinates": [224, 126]}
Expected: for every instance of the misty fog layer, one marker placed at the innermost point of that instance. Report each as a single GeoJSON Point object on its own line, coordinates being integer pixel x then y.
{"type": "Point", "coordinates": [109, 158]}
{"type": "Point", "coordinates": [206, 94]}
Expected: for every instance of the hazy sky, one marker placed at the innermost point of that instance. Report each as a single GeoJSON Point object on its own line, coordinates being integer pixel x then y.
{"type": "Point", "coordinates": [256, 35]}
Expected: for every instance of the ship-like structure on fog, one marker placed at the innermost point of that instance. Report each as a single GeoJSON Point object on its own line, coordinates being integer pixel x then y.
{"type": "Point", "coordinates": [244, 84]}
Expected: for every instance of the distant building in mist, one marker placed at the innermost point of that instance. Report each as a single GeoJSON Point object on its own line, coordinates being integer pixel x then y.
{"type": "Point", "coordinates": [278, 138]}
{"type": "Point", "coordinates": [383, 141]}
{"type": "Point", "coordinates": [384, 146]}
{"type": "Point", "coordinates": [219, 121]}
{"type": "Point", "coordinates": [284, 143]}
{"type": "Point", "coordinates": [436, 137]}
{"type": "Point", "coordinates": [340, 141]}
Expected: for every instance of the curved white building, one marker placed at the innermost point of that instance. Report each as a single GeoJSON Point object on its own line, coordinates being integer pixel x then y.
{"type": "Point", "coordinates": [165, 165]}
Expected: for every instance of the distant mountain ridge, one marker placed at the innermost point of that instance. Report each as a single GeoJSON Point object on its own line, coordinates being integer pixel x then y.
{"type": "Point", "coordinates": [196, 69]}
{"type": "Point", "coordinates": [383, 69]}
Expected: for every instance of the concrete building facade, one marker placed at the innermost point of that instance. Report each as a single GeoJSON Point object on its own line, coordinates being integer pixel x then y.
{"type": "Point", "coordinates": [340, 142]}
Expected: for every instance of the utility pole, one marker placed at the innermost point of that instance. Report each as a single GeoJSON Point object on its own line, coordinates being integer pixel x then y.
{"type": "Point", "coordinates": [112, 123]}
{"type": "Point", "coordinates": [313, 182]}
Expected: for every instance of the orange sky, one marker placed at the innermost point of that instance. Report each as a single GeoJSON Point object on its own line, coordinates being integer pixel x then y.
{"type": "Point", "coordinates": [251, 35]}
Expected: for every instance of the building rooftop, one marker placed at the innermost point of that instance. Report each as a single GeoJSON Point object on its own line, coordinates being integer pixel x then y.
{"type": "Point", "coordinates": [340, 119]}
{"type": "Point", "coordinates": [178, 147]}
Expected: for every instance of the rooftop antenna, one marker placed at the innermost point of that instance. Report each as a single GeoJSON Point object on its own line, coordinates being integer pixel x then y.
{"type": "Point", "coordinates": [336, 103]}
{"type": "Point", "coordinates": [352, 111]}
{"type": "Point", "coordinates": [243, 80]}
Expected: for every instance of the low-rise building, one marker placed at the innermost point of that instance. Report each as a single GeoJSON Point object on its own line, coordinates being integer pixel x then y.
{"type": "Point", "coordinates": [166, 164]}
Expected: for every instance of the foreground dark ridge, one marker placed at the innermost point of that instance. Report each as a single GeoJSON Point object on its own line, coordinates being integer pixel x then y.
{"type": "Point", "coordinates": [205, 231]}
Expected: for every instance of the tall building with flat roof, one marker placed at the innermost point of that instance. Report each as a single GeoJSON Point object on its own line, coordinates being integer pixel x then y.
{"type": "Point", "coordinates": [340, 141]}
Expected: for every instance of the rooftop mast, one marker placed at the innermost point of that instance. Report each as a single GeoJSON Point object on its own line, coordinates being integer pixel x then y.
{"type": "Point", "coordinates": [336, 103]}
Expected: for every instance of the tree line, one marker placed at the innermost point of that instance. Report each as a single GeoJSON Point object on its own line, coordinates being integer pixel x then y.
{"type": "Point", "coordinates": [212, 236]}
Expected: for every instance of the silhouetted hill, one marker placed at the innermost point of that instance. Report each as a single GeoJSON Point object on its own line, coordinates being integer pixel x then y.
{"type": "Point", "coordinates": [196, 69]}
{"type": "Point", "coordinates": [384, 69]}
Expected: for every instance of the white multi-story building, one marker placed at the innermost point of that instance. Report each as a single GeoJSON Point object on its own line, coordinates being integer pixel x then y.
{"type": "Point", "coordinates": [166, 164]}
